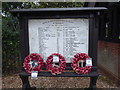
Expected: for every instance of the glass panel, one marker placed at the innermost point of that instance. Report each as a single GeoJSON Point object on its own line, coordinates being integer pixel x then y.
{"type": "Point", "coordinates": [64, 36]}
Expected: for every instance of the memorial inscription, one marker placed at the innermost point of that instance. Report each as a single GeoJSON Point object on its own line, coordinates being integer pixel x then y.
{"type": "Point", "coordinates": [64, 36]}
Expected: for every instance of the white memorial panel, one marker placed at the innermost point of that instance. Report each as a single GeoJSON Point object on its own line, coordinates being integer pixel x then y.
{"type": "Point", "coordinates": [64, 36]}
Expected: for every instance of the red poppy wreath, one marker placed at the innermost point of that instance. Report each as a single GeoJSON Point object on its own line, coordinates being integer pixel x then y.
{"type": "Point", "coordinates": [80, 57]}
{"type": "Point", "coordinates": [53, 69]}
{"type": "Point", "coordinates": [33, 62]}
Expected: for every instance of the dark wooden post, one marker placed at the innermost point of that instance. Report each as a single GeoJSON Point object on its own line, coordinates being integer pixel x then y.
{"type": "Point", "coordinates": [25, 82]}
{"type": "Point", "coordinates": [93, 81]}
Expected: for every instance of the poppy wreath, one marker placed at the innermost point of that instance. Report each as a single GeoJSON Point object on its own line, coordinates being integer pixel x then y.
{"type": "Point", "coordinates": [55, 70]}
{"type": "Point", "coordinates": [37, 58]}
{"type": "Point", "coordinates": [76, 59]}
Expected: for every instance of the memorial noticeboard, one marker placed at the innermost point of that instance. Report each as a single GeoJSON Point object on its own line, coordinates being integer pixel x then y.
{"type": "Point", "coordinates": [60, 30]}
{"type": "Point", "coordinates": [64, 36]}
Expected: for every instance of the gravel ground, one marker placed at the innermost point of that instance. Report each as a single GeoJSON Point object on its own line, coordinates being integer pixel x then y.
{"type": "Point", "coordinates": [13, 81]}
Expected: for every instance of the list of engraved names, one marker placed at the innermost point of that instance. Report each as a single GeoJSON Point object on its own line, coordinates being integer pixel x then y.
{"type": "Point", "coordinates": [64, 36]}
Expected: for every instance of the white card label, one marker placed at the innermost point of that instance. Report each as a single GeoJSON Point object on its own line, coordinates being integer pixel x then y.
{"type": "Point", "coordinates": [55, 59]}
{"type": "Point", "coordinates": [89, 62]}
{"type": "Point", "coordinates": [34, 74]}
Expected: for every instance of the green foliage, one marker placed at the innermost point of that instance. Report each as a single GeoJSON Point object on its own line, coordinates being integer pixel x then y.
{"type": "Point", "coordinates": [10, 29]}
{"type": "Point", "coordinates": [10, 39]}
{"type": "Point", "coordinates": [10, 42]}
{"type": "Point", "coordinates": [51, 4]}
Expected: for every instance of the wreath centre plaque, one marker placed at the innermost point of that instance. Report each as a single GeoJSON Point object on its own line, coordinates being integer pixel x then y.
{"type": "Point", "coordinates": [64, 36]}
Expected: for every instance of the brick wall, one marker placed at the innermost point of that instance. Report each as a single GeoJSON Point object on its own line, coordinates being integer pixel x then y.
{"type": "Point", "coordinates": [109, 59]}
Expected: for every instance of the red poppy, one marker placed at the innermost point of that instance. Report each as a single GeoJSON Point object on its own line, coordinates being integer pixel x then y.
{"type": "Point", "coordinates": [76, 59]}
{"type": "Point", "coordinates": [55, 70]}
{"type": "Point", "coordinates": [37, 58]}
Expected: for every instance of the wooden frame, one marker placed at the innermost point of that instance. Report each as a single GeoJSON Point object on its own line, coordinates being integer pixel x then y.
{"type": "Point", "coordinates": [59, 13]}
